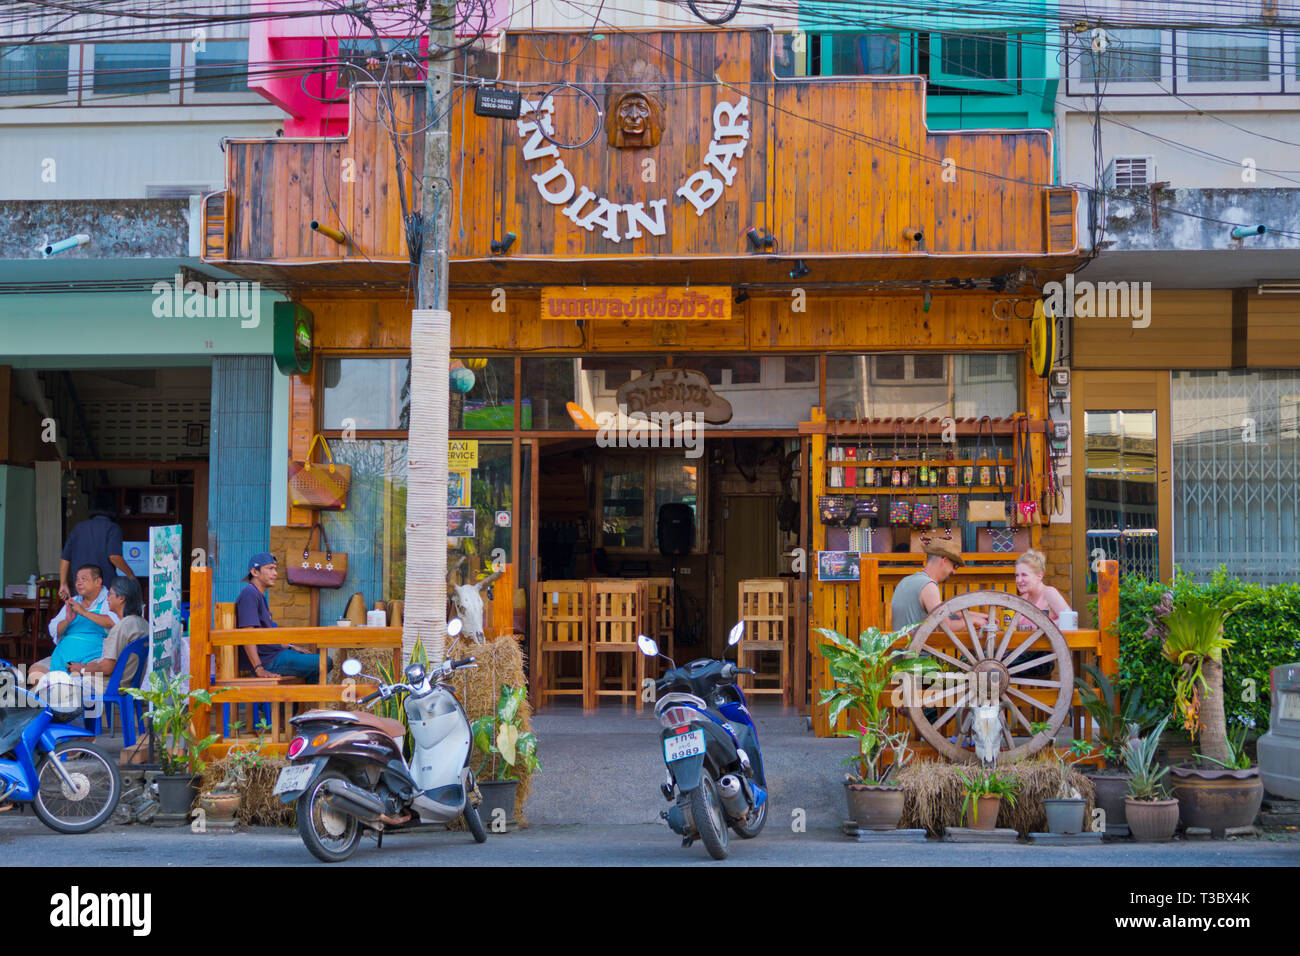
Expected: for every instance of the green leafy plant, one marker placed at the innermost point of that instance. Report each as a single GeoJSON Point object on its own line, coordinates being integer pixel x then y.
{"type": "Point", "coordinates": [392, 706]}
{"type": "Point", "coordinates": [506, 747]}
{"type": "Point", "coordinates": [1080, 750]}
{"type": "Point", "coordinates": [241, 758]}
{"type": "Point", "coordinates": [1146, 779]}
{"type": "Point", "coordinates": [1116, 721]}
{"type": "Point", "coordinates": [863, 673]}
{"type": "Point", "coordinates": [172, 716]}
{"type": "Point", "coordinates": [1238, 759]}
{"type": "Point", "coordinates": [986, 783]}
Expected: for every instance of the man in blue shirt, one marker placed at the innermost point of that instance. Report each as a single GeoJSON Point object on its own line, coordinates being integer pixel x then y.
{"type": "Point", "coordinates": [78, 629]}
{"type": "Point", "coordinates": [252, 610]}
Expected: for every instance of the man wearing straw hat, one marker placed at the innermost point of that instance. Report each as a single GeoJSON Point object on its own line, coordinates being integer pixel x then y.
{"type": "Point", "coordinates": [918, 594]}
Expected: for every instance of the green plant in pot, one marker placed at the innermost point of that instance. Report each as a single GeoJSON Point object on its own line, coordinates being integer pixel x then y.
{"type": "Point", "coordinates": [171, 716]}
{"type": "Point", "coordinates": [986, 791]}
{"type": "Point", "coordinates": [1224, 791]}
{"type": "Point", "coordinates": [221, 804]}
{"type": "Point", "coordinates": [1152, 815]}
{"type": "Point", "coordinates": [1117, 718]}
{"type": "Point", "coordinates": [864, 673]}
{"type": "Point", "coordinates": [1065, 811]}
{"type": "Point", "coordinates": [507, 751]}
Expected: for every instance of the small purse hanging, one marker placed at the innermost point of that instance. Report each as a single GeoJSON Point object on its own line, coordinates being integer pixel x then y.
{"type": "Point", "coordinates": [319, 484]}
{"type": "Point", "coordinates": [947, 510]}
{"type": "Point", "coordinates": [1026, 506]}
{"type": "Point", "coordinates": [832, 509]}
{"type": "Point", "coordinates": [922, 514]}
{"type": "Point", "coordinates": [868, 507]}
{"type": "Point", "coordinates": [900, 512]}
{"type": "Point", "coordinates": [982, 510]}
{"type": "Point", "coordinates": [317, 569]}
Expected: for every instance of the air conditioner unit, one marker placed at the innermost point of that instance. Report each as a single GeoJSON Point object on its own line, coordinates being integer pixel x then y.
{"type": "Point", "coordinates": [1128, 172]}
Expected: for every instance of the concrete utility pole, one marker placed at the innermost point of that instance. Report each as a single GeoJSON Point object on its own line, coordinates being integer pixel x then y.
{"type": "Point", "coordinates": [425, 617]}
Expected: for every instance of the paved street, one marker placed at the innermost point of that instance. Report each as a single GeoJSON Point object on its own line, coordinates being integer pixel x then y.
{"type": "Point", "coordinates": [24, 841]}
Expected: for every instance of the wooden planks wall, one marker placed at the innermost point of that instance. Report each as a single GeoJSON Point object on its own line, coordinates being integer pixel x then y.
{"type": "Point", "coordinates": [1272, 331]}
{"type": "Point", "coordinates": [833, 167]}
{"type": "Point", "coordinates": [1189, 329]}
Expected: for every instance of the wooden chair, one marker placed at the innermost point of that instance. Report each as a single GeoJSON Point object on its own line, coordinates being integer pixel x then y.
{"type": "Point", "coordinates": [659, 614]}
{"type": "Point", "coordinates": [562, 622]}
{"type": "Point", "coordinates": [766, 612]}
{"type": "Point", "coordinates": [230, 674]}
{"type": "Point", "coordinates": [616, 608]}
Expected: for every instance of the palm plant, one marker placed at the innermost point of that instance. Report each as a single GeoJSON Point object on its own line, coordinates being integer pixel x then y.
{"type": "Point", "coordinates": [863, 672]}
{"type": "Point", "coordinates": [1146, 780]}
{"type": "Point", "coordinates": [1194, 641]}
{"type": "Point", "coordinates": [1115, 724]}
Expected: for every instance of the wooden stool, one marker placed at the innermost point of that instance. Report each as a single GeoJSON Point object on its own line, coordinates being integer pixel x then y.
{"type": "Point", "coordinates": [766, 613]}
{"type": "Point", "coordinates": [562, 620]}
{"type": "Point", "coordinates": [660, 614]}
{"type": "Point", "coordinates": [615, 618]}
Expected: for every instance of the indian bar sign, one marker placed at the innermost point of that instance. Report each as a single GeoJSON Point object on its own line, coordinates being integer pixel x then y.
{"type": "Point", "coordinates": [637, 302]}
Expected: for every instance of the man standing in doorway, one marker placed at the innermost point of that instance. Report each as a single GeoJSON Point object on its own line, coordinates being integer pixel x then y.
{"type": "Point", "coordinates": [97, 541]}
{"type": "Point", "coordinates": [252, 610]}
{"type": "Point", "coordinates": [918, 594]}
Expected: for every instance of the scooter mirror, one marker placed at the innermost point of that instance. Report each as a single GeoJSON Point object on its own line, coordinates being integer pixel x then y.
{"type": "Point", "coordinates": [736, 634]}
{"type": "Point", "coordinates": [351, 667]}
{"type": "Point", "coordinates": [454, 627]}
{"type": "Point", "coordinates": [648, 646]}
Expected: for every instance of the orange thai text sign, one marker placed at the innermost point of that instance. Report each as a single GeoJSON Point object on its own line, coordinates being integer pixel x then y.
{"type": "Point", "coordinates": [712, 302]}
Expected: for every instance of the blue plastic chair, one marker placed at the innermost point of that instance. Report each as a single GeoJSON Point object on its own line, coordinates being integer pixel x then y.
{"type": "Point", "coordinates": [126, 704]}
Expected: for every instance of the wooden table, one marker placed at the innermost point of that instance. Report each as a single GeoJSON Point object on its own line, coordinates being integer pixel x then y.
{"type": "Point", "coordinates": [37, 615]}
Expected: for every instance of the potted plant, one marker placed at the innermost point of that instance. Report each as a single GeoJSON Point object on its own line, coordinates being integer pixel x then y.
{"type": "Point", "coordinates": [507, 750]}
{"type": "Point", "coordinates": [1224, 791]}
{"type": "Point", "coordinates": [1152, 815]}
{"type": "Point", "coordinates": [1065, 810]}
{"type": "Point", "coordinates": [1117, 719]}
{"type": "Point", "coordinates": [863, 672]}
{"type": "Point", "coordinates": [171, 715]}
{"type": "Point", "coordinates": [986, 789]}
{"type": "Point", "coordinates": [221, 804]}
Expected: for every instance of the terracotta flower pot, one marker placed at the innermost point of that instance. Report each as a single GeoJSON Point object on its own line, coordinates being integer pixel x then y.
{"type": "Point", "coordinates": [1217, 799]}
{"type": "Point", "coordinates": [874, 808]}
{"type": "Point", "coordinates": [1151, 821]}
{"type": "Point", "coordinates": [220, 808]}
{"type": "Point", "coordinates": [984, 816]}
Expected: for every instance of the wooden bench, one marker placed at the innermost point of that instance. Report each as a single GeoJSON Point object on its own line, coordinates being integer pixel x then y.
{"type": "Point", "coordinates": [214, 651]}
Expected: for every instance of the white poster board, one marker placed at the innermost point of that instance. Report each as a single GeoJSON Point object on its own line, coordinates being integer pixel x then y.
{"type": "Point", "coordinates": [168, 649]}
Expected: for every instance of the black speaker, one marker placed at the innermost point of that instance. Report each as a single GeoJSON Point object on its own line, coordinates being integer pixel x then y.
{"type": "Point", "coordinates": [676, 529]}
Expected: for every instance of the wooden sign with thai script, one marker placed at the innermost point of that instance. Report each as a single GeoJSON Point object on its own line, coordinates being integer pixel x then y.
{"type": "Point", "coordinates": [672, 391]}
{"type": "Point", "coordinates": [711, 302]}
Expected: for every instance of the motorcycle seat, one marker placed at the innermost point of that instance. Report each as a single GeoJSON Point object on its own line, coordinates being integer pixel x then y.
{"type": "Point", "coordinates": [389, 726]}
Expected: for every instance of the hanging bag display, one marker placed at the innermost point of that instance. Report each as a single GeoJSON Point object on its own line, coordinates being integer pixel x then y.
{"type": "Point", "coordinates": [832, 509]}
{"type": "Point", "coordinates": [947, 510]}
{"type": "Point", "coordinates": [1026, 506]}
{"type": "Point", "coordinates": [319, 484]}
{"type": "Point", "coordinates": [868, 507]}
{"type": "Point", "coordinates": [984, 510]}
{"type": "Point", "coordinates": [317, 569]}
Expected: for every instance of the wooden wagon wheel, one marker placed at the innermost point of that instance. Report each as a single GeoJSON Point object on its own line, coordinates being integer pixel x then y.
{"type": "Point", "coordinates": [987, 665]}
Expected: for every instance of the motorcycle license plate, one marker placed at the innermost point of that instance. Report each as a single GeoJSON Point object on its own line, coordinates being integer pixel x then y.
{"type": "Point", "coordinates": [292, 778]}
{"type": "Point", "coordinates": [685, 745]}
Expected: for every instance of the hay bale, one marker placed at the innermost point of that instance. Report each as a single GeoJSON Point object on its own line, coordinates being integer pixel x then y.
{"type": "Point", "coordinates": [257, 807]}
{"type": "Point", "coordinates": [500, 661]}
{"type": "Point", "coordinates": [934, 795]}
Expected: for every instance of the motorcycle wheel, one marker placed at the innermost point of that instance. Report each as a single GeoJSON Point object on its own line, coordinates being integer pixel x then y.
{"type": "Point", "coordinates": [96, 788]}
{"type": "Point", "coordinates": [330, 836]}
{"type": "Point", "coordinates": [707, 813]}
{"type": "Point", "coordinates": [475, 824]}
{"type": "Point", "coordinates": [751, 829]}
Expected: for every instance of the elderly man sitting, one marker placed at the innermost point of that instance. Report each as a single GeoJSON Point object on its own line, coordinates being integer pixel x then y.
{"type": "Point", "coordinates": [79, 628]}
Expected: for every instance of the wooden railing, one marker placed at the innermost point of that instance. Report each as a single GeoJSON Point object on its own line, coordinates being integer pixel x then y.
{"type": "Point", "coordinates": [206, 643]}
{"type": "Point", "coordinates": [880, 574]}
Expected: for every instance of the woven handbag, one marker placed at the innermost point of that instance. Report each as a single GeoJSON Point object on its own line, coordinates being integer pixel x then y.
{"type": "Point", "coordinates": [981, 510]}
{"type": "Point", "coordinates": [319, 484]}
{"type": "Point", "coordinates": [947, 508]}
{"type": "Point", "coordinates": [832, 509]}
{"type": "Point", "coordinates": [1026, 505]}
{"type": "Point", "coordinates": [318, 569]}
{"type": "Point", "coordinates": [900, 512]}
{"type": "Point", "coordinates": [867, 507]}
{"type": "Point", "coordinates": [922, 514]}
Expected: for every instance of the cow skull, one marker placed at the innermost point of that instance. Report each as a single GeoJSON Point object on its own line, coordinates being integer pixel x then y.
{"type": "Point", "coordinates": [986, 729]}
{"type": "Point", "coordinates": [468, 601]}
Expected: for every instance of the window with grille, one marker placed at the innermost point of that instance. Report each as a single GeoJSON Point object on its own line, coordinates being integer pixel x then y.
{"type": "Point", "coordinates": [1236, 473]}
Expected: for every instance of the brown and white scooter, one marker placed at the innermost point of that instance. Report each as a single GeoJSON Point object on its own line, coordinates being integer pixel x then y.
{"type": "Point", "coordinates": [347, 772]}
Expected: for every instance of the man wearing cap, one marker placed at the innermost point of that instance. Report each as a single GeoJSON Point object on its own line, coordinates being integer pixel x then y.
{"type": "Point", "coordinates": [918, 594]}
{"type": "Point", "coordinates": [252, 610]}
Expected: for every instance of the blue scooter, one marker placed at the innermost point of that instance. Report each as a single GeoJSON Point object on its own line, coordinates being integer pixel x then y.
{"type": "Point", "coordinates": [715, 769]}
{"type": "Point", "coordinates": [72, 785]}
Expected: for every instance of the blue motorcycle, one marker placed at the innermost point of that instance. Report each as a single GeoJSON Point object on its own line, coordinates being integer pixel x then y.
{"type": "Point", "coordinates": [72, 785]}
{"type": "Point", "coordinates": [715, 769]}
